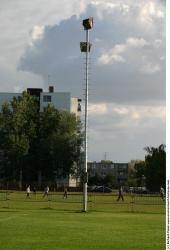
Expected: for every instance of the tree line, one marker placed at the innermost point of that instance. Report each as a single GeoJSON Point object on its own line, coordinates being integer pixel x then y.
{"type": "Point", "coordinates": [36, 145]}
{"type": "Point", "coordinates": [152, 171]}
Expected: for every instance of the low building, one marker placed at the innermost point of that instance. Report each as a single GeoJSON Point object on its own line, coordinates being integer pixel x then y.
{"type": "Point", "coordinates": [70, 181]}
{"type": "Point", "coordinates": [104, 168]}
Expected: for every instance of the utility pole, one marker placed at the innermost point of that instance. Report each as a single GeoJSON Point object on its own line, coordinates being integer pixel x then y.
{"type": "Point", "coordinates": [85, 47]}
{"type": "Point", "coordinates": [105, 156]}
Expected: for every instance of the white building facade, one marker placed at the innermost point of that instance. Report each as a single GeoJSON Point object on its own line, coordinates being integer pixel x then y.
{"type": "Point", "coordinates": [60, 100]}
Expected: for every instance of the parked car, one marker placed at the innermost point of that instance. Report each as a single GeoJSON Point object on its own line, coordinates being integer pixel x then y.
{"type": "Point", "coordinates": [138, 190]}
{"type": "Point", "coordinates": [102, 189]}
{"type": "Point", "coordinates": [91, 188]}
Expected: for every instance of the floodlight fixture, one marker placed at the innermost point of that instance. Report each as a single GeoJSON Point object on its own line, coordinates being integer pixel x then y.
{"type": "Point", "coordinates": [88, 23]}
{"type": "Point", "coordinates": [85, 46]}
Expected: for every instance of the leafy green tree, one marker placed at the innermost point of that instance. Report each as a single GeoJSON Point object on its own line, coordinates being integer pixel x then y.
{"type": "Point", "coordinates": [106, 162]}
{"type": "Point", "coordinates": [140, 173]}
{"type": "Point", "coordinates": [109, 180]}
{"type": "Point", "coordinates": [132, 173]}
{"type": "Point", "coordinates": [18, 121]}
{"type": "Point", "coordinates": [155, 161]}
{"type": "Point", "coordinates": [58, 144]}
{"type": "Point", "coordinates": [97, 179]}
{"type": "Point", "coordinates": [34, 143]}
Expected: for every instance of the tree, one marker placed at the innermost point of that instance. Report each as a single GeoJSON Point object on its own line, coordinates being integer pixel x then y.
{"type": "Point", "coordinates": [155, 161]}
{"type": "Point", "coordinates": [106, 162]}
{"type": "Point", "coordinates": [140, 173]}
{"type": "Point", "coordinates": [58, 144]}
{"type": "Point", "coordinates": [132, 181]}
{"type": "Point", "coordinates": [34, 143]}
{"type": "Point", "coordinates": [18, 121]}
{"type": "Point", "coordinates": [97, 179]}
{"type": "Point", "coordinates": [109, 180]}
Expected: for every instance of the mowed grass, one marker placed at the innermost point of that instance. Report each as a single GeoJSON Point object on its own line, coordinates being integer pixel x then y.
{"type": "Point", "coordinates": [37, 224]}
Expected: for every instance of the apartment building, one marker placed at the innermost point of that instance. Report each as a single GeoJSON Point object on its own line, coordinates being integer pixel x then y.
{"type": "Point", "coordinates": [60, 100]}
{"type": "Point", "coordinates": [103, 168]}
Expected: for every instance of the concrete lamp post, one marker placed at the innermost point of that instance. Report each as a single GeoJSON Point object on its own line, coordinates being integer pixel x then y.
{"type": "Point", "coordinates": [85, 47]}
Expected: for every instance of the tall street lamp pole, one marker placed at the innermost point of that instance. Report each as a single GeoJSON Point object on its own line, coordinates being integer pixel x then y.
{"type": "Point", "coordinates": [85, 47]}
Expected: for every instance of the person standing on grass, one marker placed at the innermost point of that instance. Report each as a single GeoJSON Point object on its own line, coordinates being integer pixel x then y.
{"type": "Point", "coordinates": [162, 193]}
{"type": "Point", "coordinates": [34, 190]}
{"type": "Point", "coordinates": [65, 193]}
{"type": "Point", "coordinates": [28, 192]}
{"type": "Point", "coordinates": [46, 191]}
{"type": "Point", "coordinates": [120, 194]}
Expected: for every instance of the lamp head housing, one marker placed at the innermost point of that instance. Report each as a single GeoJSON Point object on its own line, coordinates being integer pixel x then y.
{"type": "Point", "coordinates": [85, 47]}
{"type": "Point", "coordinates": [88, 23]}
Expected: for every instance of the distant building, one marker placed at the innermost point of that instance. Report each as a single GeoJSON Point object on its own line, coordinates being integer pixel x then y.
{"type": "Point", "coordinates": [103, 168]}
{"type": "Point", "coordinates": [69, 181]}
{"type": "Point", "coordinates": [60, 100]}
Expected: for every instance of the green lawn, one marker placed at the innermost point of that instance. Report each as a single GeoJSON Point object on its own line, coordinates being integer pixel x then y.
{"type": "Point", "coordinates": [38, 224]}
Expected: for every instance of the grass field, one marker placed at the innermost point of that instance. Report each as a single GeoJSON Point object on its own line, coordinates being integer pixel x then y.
{"type": "Point", "coordinates": [36, 223]}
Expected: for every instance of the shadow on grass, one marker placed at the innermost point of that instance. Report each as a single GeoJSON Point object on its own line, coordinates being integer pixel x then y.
{"type": "Point", "coordinates": [46, 208]}
{"type": "Point", "coordinates": [9, 211]}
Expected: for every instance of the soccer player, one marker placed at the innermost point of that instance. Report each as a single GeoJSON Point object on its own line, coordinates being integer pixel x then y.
{"type": "Point", "coordinates": [34, 191]}
{"type": "Point", "coordinates": [162, 193]}
{"type": "Point", "coordinates": [65, 193]}
{"type": "Point", "coordinates": [46, 191]}
{"type": "Point", "coordinates": [120, 194]}
{"type": "Point", "coordinates": [28, 192]}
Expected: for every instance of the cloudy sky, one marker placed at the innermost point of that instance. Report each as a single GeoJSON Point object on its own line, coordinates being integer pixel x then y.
{"type": "Point", "coordinates": [39, 45]}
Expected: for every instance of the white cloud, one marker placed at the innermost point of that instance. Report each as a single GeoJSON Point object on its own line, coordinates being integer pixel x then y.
{"type": "Point", "coordinates": [126, 125]}
{"type": "Point", "coordinates": [115, 54]}
{"type": "Point", "coordinates": [108, 59]}
{"type": "Point", "coordinates": [108, 6]}
{"type": "Point", "coordinates": [157, 43]}
{"type": "Point", "coordinates": [150, 68]}
{"type": "Point", "coordinates": [136, 42]}
{"type": "Point", "coordinates": [24, 20]}
{"type": "Point", "coordinates": [121, 110]}
{"type": "Point", "coordinates": [143, 13]}
{"type": "Point", "coordinates": [37, 33]}
{"type": "Point", "coordinates": [150, 11]}
{"type": "Point", "coordinates": [135, 115]}
{"type": "Point", "coordinates": [100, 108]}
{"type": "Point", "coordinates": [130, 112]}
{"type": "Point", "coordinates": [119, 48]}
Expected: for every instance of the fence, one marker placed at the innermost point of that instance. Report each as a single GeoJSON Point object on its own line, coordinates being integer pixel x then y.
{"type": "Point", "coordinates": [130, 203]}
{"type": "Point", "coordinates": [96, 202]}
{"type": "Point", "coordinates": [3, 196]}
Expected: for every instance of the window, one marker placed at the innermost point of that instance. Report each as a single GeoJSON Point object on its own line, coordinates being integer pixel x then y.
{"type": "Point", "coordinates": [79, 107]}
{"type": "Point", "coordinates": [47, 98]}
{"type": "Point", "coordinates": [36, 98]}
